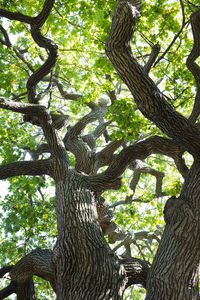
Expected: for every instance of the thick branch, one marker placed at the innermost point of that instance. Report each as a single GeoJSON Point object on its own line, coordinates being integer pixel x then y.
{"type": "Point", "coordinates": [96, 113]}
{"type": "Point", "coordinates": [23, 108]}
{"type": "Point", "coordinates": [26, 290]}
{"type": "Point", "coordinates": [39, 263]}
{"type": "Point", "coordinates": [147, 96]}
{"type": "Point", "coordinates": [9, 290]}
{"type": "Point", "coordinates": [16, 16]}
{"type": "Point", "coordinates": [46, 67]}
{"type": "Point", "coordinates": [31, 168]}
{"type": "Point", "coordinates": [106, 155]}
{"type": "Point", "coordinates": [5, 270]}
{"type": "Point", "coordinates": [91, 138]}
{"type": "Point", "coordinates": [81, 147]}
{"type": "Point", "coordinates": [46, 10]}
{"type": "Point", "coordinates": [192, 66]}
{"type": "Point", "coordinates": [55, 144]}
{"type": "Point", "coordinates": [140, 150]}
{"type": "Point", "coordinates": [136, 270]}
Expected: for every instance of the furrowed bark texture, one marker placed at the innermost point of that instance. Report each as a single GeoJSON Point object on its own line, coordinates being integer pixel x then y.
{"type": "Point", "coordinates": [86, 266]}
{"type": "Point", "coordinates": [147, 96]}
{"type": "Point", "coordinates": [175, 270]}
{"type": "Point", "coordinates": [192, 65]}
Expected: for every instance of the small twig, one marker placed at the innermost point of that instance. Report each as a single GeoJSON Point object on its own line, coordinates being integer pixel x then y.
{"type": "Point", "coordinates": [184, 23]}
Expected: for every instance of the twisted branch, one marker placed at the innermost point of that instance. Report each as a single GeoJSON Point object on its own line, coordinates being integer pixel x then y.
{"type": "Point", "coordinates": [192, 66]}
{"type": "Point", "coordinates": [147, 96]}
{"type": "Point", "coordinates": [36, 23]}
{"type": "Point", "coordinates": [141, 150]}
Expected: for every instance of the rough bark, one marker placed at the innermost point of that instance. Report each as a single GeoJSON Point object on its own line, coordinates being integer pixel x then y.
{"type": "Point", "coordinates": [136, 271]}
{"type": "Point", "coordinates": [175, 270]}
{"type": "Point", "coordinates": [192, 65]}
{"type": "Point", "coordinates": [147, 96]}
{"type": "Point", "coordinates": [82, 266]}
{"type": "Point", "coordinates": [82, 256]}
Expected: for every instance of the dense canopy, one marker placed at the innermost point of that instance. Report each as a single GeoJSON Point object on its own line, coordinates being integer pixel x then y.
{"type": "Point", "coordinates": [99, 152]}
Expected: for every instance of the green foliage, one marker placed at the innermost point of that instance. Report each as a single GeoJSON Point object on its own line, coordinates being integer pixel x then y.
{"type": "Point", "coordinates": [80, 28]}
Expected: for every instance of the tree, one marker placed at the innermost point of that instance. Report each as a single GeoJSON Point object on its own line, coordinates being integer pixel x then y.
{"type": "Point", "coordinates": [41, 98]}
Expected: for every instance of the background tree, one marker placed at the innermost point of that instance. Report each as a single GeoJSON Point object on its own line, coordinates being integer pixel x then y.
{"type": "Point", "coordinates": [69, 121]}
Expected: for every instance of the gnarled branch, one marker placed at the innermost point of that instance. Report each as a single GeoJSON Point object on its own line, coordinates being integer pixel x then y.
{"type": "Point", "coordinates": [55, 144]}
{"type": "Point", "coordinates": [153, 145]}
{"type": "Point", "coordinates": [38, 262]}
{"type": "Point", "coordinates": [147, 96]}
{"type": "Point", "coordinates": [192, 66]}
{"type": "Point", "coordinates": [36, 23]}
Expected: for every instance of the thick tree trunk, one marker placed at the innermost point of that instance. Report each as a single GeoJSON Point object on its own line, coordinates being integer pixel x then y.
{"type": "Point", "coordinates": [175, 269]}
{"type": "Point", "coordinates": [86, 266]}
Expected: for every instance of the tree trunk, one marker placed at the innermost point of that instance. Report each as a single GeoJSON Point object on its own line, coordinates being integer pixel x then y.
{"type": "Point", "coordinates": [175, 269]}
{"type": "Point", "coordinates": [86, 267]}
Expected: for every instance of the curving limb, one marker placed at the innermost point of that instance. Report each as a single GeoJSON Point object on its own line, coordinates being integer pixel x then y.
{"type": "Point", "coordinates": [83, 146]}
{"type": "Point", "coordinates": [39, 263]}
{"type": "Point", "coordinates": [36, 23]}
{"type": "Point", "coordinates": [46, 68]}
{"type": "Point", "coordinates": [96, 113]}
{"type": "Point", "coordinates": [55, 143]}
{"type": "Point", "coordinates": [63, 93]}
{"type": "Point", "coordinates": [106, 155]}
{"type": "Point", "coordinates": [147, 96]}
{"type": "Point", "coordinates": [6, 41]}
{"type": "Point", "coordinates": [91, 138]}
{"type": "Point", "coordinates": [141, 150]}
{"type": "Point", "coordinates": [192, 65]}
{"type": "Point", "coordinates": [140, 167]}
{"type": "Point", "coordinates": [11, 288]}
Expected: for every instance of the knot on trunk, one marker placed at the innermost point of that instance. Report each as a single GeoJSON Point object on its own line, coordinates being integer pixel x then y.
{"type": "Point", "coordinates": [176, 212]}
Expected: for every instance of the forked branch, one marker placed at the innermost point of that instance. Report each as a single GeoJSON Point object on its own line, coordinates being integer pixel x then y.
{"type": "Point", "coordinates": [147, 96]}
{"type": "Point", "coordinates": [141, 150]}
{"type": "Point", "coordinates": [36, 23]}
{"type": "Point", "coordinates": [55, 144]}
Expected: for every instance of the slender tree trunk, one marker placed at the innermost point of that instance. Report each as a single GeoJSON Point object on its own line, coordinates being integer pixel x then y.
{"type": "Point", "coordinates": [175, 269]}
{"type": "Point", "coordinates": [86, 266]}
